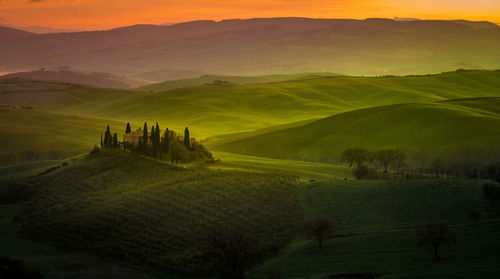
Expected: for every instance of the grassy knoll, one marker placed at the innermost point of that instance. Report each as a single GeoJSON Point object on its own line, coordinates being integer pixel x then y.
{"type": "Point", "coordinates": [382, 217]}
{"type": "Point", "coordinates": [155, 214]}
{"type": "Point", "coordinates": [43, 131]}
{"type": "Point", "coordinates": [463, 128]}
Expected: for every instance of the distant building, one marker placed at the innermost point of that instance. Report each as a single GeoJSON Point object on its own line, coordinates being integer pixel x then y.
{"type": "Point", "coordinates": [135, 138]}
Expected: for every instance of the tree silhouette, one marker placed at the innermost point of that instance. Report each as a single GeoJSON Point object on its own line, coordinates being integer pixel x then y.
{"type": "Point", "coordinates": [128, 130]}
{"type": "Point", "coordinates": [145, 135]}
{"type": "Point", "coordinates": [355, 155]}
{"type": "Point", "coordinates": [433, 236]}
{"type": "Point", "coordinates": [186, 138]}
{"type": "Point", "coordinates": [318, 228]}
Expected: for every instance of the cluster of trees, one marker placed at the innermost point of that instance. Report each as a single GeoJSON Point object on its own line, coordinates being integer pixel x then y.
{"type": "Point", "coordinates": [166, 145]}
{"type": "Point", "coordinates": [387, 163]}
{"type": "Point", "coordinates": [366, 161]}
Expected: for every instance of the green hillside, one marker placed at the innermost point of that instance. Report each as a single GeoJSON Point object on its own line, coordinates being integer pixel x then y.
{"type": "Point", "coordinates": [34, 131]}
{"type": "Point", "coordinates": [142, 211]}
{"type": "Point", "coordinates": [211, 110]}
{"type": "Point", "coordinates": [154, 214]}
{"type": "Point", "coordinates": [467, 128]}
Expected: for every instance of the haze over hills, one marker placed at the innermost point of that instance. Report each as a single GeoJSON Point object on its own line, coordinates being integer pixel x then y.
{"type": "Point", "coordinates": [263, 46]}
{"type": "Point", "coordinates": [69, 76]}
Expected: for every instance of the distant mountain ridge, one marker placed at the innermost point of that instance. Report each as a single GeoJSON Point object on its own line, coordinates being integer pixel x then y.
{"type": "Point", "coordinates": [262, 46]}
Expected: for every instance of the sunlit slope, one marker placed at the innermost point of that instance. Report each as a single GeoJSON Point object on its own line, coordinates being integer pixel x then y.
{"type": "Point", "coordinates": [470, 127]}
{"type": "Point", "coordinates": [211, 109]}
{"type": "Point", "coordinates": [42, 131]}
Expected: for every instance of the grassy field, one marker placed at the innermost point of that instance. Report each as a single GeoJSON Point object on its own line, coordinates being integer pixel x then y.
{"type": "Point", "coordinates": [382, 218]}
{"type": "Point", "coordinates": [145, 212]}
{"type": "Point", "coordinates": [465, 128]}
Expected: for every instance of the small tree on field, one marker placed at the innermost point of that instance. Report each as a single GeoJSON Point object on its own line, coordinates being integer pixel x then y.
{"type": "Point", "coordinates": [234, 252]}
{"type": "Point", "coordinates": [384, 157]}
{"type": "Point", "coordinates": [434, 236]}
{"type": "Point", "coordinates": [319, 229]}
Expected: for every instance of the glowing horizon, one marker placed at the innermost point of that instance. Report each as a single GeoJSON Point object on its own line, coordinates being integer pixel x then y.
{"type": "Point", "coordinates": [98, 14]}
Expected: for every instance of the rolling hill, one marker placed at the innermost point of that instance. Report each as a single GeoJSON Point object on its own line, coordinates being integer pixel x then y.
{"type": "Point", "coordinates": [463, 128]}
{"type": "Point", "coordinates": [262, 46]}
{"type": "Point", "coordinates": [211, 110]}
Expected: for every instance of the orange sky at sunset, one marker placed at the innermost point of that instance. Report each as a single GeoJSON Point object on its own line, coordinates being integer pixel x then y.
{"type": "Point", "coordinates": [104, 14]}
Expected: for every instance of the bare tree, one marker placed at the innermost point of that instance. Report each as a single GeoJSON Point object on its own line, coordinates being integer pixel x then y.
{"type": "Point", "coordinates": [233, 251]}
{"type": "Point", "coordinates": [435, 235]}
{"type": "Point", "coordinates": [318, 228]}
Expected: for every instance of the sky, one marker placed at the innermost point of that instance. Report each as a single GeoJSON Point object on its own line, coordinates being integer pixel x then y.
{"type": "Point", "coordinates": [106, 14]}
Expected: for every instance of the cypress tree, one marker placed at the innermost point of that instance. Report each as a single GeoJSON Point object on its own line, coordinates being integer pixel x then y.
{"type": "Point", "coordinates": [165, 142]}
{"type": "Point", "coordinates": [145, 135]}
{"type": "Point", "coordinates": [101, 139]}
{"type": "Point", "coordinates": [153, 139]}
{"type": "Point", "coordinates": [186, 138]}
{"type": "Point", "coordinates": [128, 130]}
{"type": "Point", "coordinates": [115, 140]}
{"type": "Point", "coordinates": [108, 138]}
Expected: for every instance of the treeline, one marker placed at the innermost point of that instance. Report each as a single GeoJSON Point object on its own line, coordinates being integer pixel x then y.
{"type": "Point", "coordinates": [163, 145]}
{"type": "Point", "coordinates": [393, 163]}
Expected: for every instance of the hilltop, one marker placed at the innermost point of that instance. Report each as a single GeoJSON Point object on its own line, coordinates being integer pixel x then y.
{"type": "Point", "coordinates": [261, 46]}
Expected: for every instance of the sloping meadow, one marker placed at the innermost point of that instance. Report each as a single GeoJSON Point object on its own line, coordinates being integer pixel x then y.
{"type": "Point", "coordinates": [141, 211]}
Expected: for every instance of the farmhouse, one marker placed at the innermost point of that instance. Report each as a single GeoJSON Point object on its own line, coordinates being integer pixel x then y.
{"type": "Point", "coordinates": [135, 138]}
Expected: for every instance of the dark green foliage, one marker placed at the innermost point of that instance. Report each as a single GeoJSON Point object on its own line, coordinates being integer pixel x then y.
{"type": "Point", "coordinates": [128, 129]}
{"type": "Point", "coordinates": [491, 192]}
{"type": "Point", "coordinates": [145, 135]}
{"type": "Point", "coordinates": [186, 138]}
{"type": "Point", "coordinates": [474, 216]}
{"type": "Point", "coordinates": [115, 140]}
{"type": "Point", "coordinates": [108, 138]}
{"type": "Point", "coordinates": [434, 236]}
{"type": "Point", "coordinates": [355, 155]}
{"type": "Point", "coordinates": [364, 172]}
{"type": "Point", "coordinates": [14, 269]}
